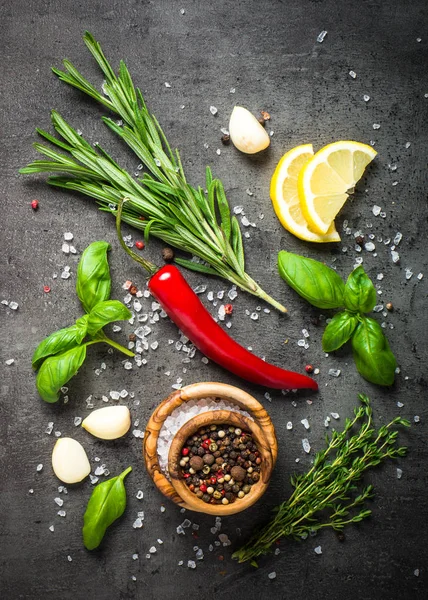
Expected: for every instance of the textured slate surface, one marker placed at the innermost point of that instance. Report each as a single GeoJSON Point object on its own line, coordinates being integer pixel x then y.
{"type": "Point", "coordinates": [269, 53]}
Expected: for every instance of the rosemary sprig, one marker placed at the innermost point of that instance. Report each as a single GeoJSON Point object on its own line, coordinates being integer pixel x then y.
{"type": "Point", "coordinates": [161, 203]}
{"type": "Point", "coordinates": [327, 495]}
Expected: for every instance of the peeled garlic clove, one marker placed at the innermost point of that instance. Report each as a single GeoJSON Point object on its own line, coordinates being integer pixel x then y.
{"type": "Point", "coordinates": [69, 461]}
{"type": "Point", "coordinates": [246, 132]}
{"type": "Point", "coordinates": [108, 423]}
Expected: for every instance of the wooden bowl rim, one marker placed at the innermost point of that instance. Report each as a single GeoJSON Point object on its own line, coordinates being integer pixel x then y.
{"type": "Point", "coordinates": [219, 417]}
{"type": "Point", "coordinates": [192, 392]}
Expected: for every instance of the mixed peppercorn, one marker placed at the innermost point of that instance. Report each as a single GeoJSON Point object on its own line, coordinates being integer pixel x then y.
{"type": "Point", "coordinates": [220, 463]}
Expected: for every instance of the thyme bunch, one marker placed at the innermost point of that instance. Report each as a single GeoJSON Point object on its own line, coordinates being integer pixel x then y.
{"type": "Point", "coordinates": [161, 202]}
{"type": "Point", "coordinates": [328, 494]}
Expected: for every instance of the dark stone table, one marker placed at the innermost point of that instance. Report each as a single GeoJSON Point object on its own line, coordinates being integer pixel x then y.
{"type": "Point", "coordinates": [268, 52]}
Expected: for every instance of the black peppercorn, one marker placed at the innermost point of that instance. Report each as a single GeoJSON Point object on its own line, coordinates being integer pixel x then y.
{"type": "Point", "coordinates": [168, 255]}
{"type": "Point", "coordinates": [359, 240]}
{"type": "Point", "coordinates": [225, 139]}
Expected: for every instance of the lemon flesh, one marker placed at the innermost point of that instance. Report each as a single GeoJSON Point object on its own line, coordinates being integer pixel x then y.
{"type": "Point", "coordinates": [327, 178]}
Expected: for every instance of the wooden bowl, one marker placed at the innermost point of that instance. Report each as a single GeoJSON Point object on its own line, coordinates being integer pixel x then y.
{"type": "Point", "coordinates": [219, 417]}
{"type": "Point", "coordinates": [194, 392]}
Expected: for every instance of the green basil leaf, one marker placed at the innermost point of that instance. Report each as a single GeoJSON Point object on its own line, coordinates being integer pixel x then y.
{"type": "Point", "coordinates": [57, 370]}
{"type": "Point", "coordinates": [59, 341]}
{"type": "Point", "coordinates": [93, 276]}
{"type": "Point", "coordinates": [359, 294]}
{"type": "Point", "coordinates": [314, 281]}
{"type": "Point", "coordinates": [106, 312]}
{"type": "Point", "coordinates": [106, 504]}
{"type": "Point", "coordinates": [372, 354]}
{"type": "Point", "coordinates": [82, 328]}
{"type": "Point", "coordinates": [338, 331]}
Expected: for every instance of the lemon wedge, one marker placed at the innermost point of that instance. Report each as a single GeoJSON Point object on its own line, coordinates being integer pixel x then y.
{"type": "Point", "coordinates": [285, 198]}
{"type": "Point", "coordinates": [326, 180]}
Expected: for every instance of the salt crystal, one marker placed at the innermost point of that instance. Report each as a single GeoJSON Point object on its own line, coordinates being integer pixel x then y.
{"type": "Point", "coordinates": [416, 572]}
{"type": "Point", "coordinates": [399, 473]}
{"type": "Point", "coordinates": [366, 97]}
{"type": "Point", "coordinates": [39, 467]}
{"type": "Point", "coordinates": [199, 554]}
{"type": "Point", "coordinates": [64, 275]}
{"type": "Point", "coordinates": [380, 276]}
{"type": "Point", "coordinates": [140, 495]}
{"type": "Point", "coordinates": [138, 523]}
{"type": "Point", "coordinates": [77, 421]}
{"type": "Point", "coordinates": [376, 126]}
{"type": "Point", "coordinates": [200, 289]}
{"type": "Point", "coordinates": [210, 296]}
{"type": "Point", "coordinates": [51, 528]}
{"type": "Point", "coordinates": [238, 210]}
{"type": "Point", "coordinates": [321, 36]}
{"type": "Point", "coordinates": [127, 365]}
{"type": "Point", "coordinates": [167, 85]}
{"type": "Point", "coordinates": [65, 248]}
{"type": "Point", "coordinates": [272, 575]}
{"type": "Point", "coordinates": [409, 273]}
{"type": "Point", "coordinates": [398, 237]}
{"type": "Point", "coordinates": [93, 479]}
{"type": "Point", "coordinates": [420, 276]}
{"type": "Point", "coordinates": [249, 192]}
{"type": "Point", "coordinates": [301, 343]}
{"type": "Point", "coordinates": [334, 372]}
{"type": "Point", "coordinates": [378, 308]}
{"type": "Point", "coordinates": [318, 550]}
{"type": "Point", "coordinates": [100, 470]}
{"type": "Point", "coordinates": [306, 445]}
{"type": "Point", "coordinates": [191, 564]}
{"type": "Point", "coordinates": [57, 434]}
{"type": "Point", "coordinates": [400, 404]}
{"type": "Point", "coordinates": [352, 74]}
{"type": "Point", "coordinates": [162, 509]}
{"type": "Point", "coordinates": [305, 423]}
{"type": "Point", "coordinates": [221, 313]}
{"type": "Point", "coordinates": [395, 256]}
{"type": "Point", "coordinates": [135, 556]}
{"type": "Point", "coordinates": [416, 419]}
{"type": "Point", "coordinates": [232, 293]}
{"type": "Point", "coordinates": [61, 513]}
{"type": "Point", "coordinates": [13, 305]}
{"type": "Point", "coordinates": [205, 360]}
{"type": "Point", "coordinates": [254, 316]}
{"type": "Point", "coordinates": [213, 110]}
{"type": "Point", "coordinates": [407, 145]}
{"type": "Point", "coordinates": [335, 415]}
{"type": "Point", "coordinates": [9, 361]}
{"type": "Point", "coordinates": [245, 222]}
{"type": "Point", "coordinates": [376, 210]}
{"type": "Point", "coordinates": [153, 550]}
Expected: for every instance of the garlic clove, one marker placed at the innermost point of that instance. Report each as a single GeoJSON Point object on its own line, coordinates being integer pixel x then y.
{"type": "Point", "coordinates": [69, 461]}
{"type": "Point", "coordinates": [246, 133]}
{"type": "Point", "coordinates": [108, 423]}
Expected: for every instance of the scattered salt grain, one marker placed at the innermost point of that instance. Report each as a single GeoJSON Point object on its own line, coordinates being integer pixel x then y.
{"type": "Point", "coordinates": [138, 523]}
{"type": "Point", "coordinates": [254, 316]}
{"type": "Point", "coordinates": [77, 421]}
{"type": "Point", "coordinates": [9, 362]}
{"type": "Point", "coordinates": [366, 97]}
{"type": "Point", "coordinates": [416, 419]}
{"type": "Point", "coordinates": [51, 528]}
{"type": "Point", "coordinates": [408, 273]}
{"type": "Point", "coordinates": [167, 85]}
{"type": "Point", "coordinates": [395, 256]}
{"type": "Point", "coordinates": [376, 126]}
{"type": "Point", "coordinates": [335, 415]}
{"type": "Point", "coordinates": [318, 550]}
{"type": "Point", "coordinates": [416, 572]}
{"type": "Point", "coordinates": [272, 575]}
{"type": "Point", "coordinates": [153, 550]}
{"type": "Point", "coordinates": [65, 248]}
{"type": "Point", "coordinates": [306, 445]}
{"type": "Point", "coordinates": [61, 513]}
{"type": "Point", "coordinates": [334, 372]}
{"type": "Point", "coordinates": [305, 423]}
{"type": "Point", "coordinates": [13, 305]}
{"type": "Point", "coordinates": [200, 289]}
{"type": "Point", "coordinates": [191, 564]}
{"type": "Point", "coordinates": [68, 236]}
{"type": "Point", "coordinates": [398, 237]}
{"type": "Point", "coordinates": [140, 495]}
{"type": "Point", "coordinates": [135, 556]}
{"type": "Point", "coordinates": [407, 145]}
{"type": "Point", "coordinates": [213, 110]}
{"type": "Point", "coordinates": [352, 74]}
{"type": "Point", "coordinates": [399, 473]}
{"type": "Point", "coordinates": [321, 36]}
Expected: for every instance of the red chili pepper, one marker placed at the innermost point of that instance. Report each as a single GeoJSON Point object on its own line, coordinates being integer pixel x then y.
{"type": "Point", "coordinates": [183, 306]}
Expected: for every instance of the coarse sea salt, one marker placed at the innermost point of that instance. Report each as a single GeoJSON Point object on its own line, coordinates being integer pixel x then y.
{"type": "Point", "coordinates": [181, 415]}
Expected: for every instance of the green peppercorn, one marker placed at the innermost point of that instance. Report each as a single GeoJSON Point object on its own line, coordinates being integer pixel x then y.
{"type": "Point", "coordinates": [206, 469]}
{"type": "Point", "coordinates": [217, 495]}
{"type": "Point", "coordinates": [213, 447]}
{"type": "Point", "coordinates": [246, 489]}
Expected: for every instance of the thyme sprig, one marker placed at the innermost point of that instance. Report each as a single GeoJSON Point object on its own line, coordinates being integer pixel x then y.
{"type": "Point", "coordinates": [328, 495]}
{"type": "Point", "coordinates": [161, 203]}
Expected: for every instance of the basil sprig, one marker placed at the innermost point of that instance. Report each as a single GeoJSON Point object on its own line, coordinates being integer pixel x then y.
{"type": "Point", "coordinates": [322, 287]}
{"type": "Point", "coordinates": [59, 356]}
{"type": "Point", "coordinates": [106, 504]}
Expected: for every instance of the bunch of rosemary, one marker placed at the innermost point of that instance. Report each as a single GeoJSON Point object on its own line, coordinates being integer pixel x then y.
{"type": "Point", "coordinates": [161, 203]}
{"type": "Point", "coordinates": [327, 495]}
